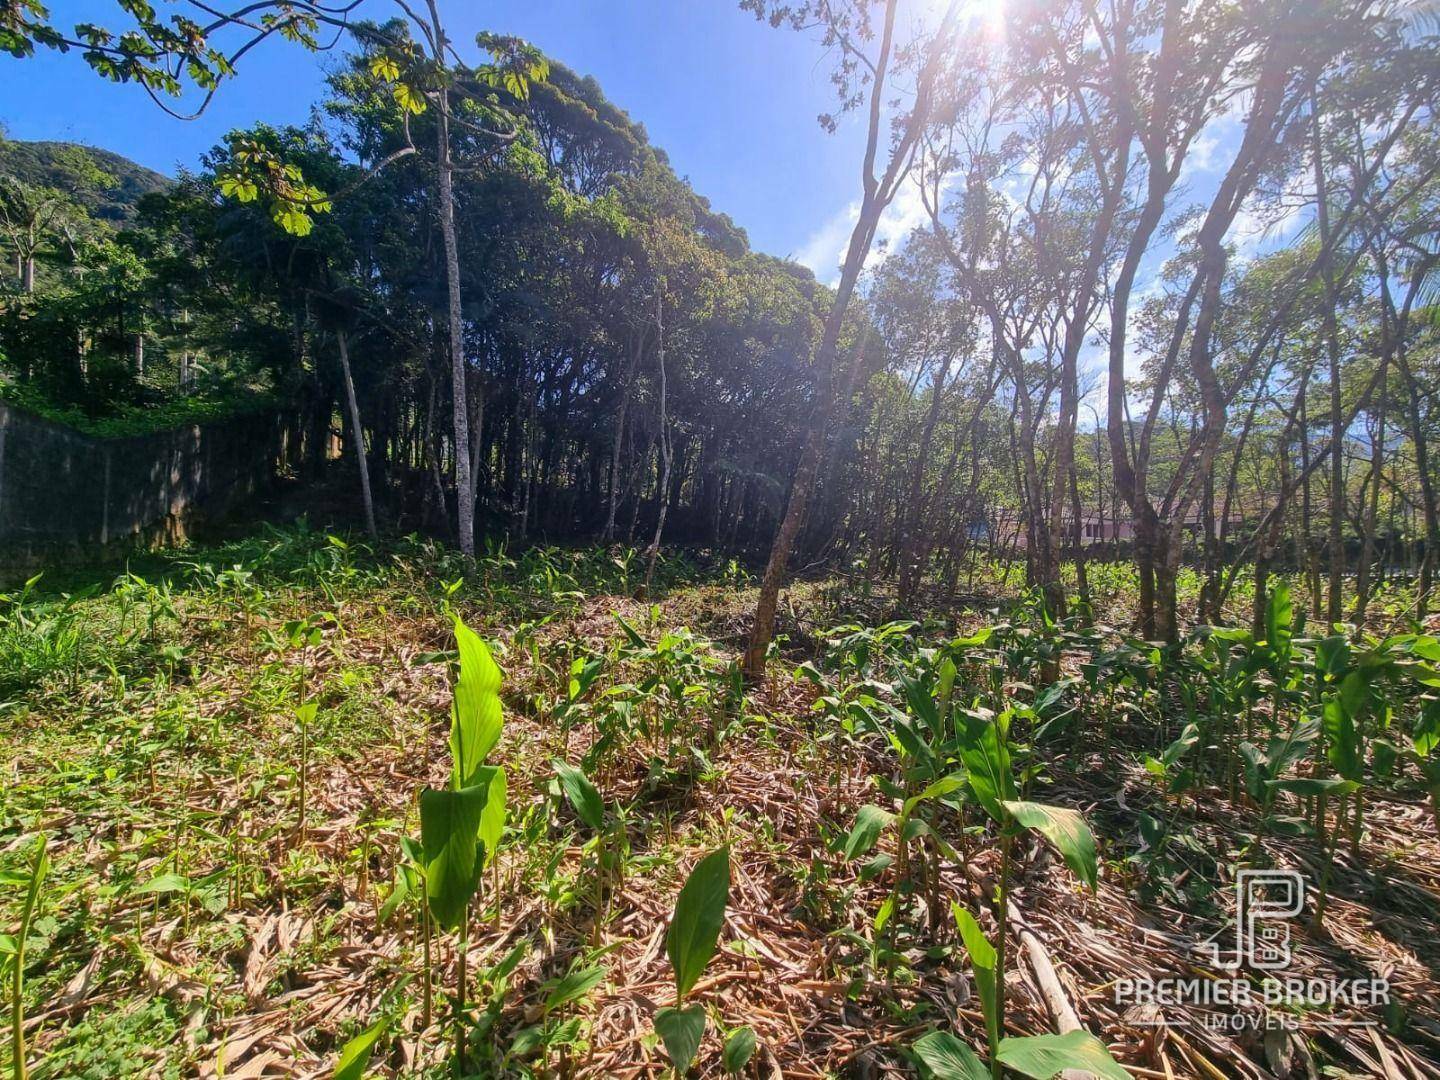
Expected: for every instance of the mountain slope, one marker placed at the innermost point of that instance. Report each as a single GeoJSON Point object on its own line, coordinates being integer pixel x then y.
{"type": "Point", "coordinates": [105, 183]}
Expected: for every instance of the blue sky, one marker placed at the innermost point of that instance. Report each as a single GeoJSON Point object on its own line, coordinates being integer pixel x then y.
{"type": "Point", "coordinates": [731, 100]}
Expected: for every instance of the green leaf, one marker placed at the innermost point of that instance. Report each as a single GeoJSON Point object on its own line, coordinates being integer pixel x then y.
{"type": "Point", "coordinates": [1043, 1056]}
{"type": "Point", "coordinates": [982, 960]}
{"type": "Point", "coordinates": [1187, 738]}
{"type": "Point", "coordinates": [165, 883]}
{"type": "Point", "coordinates": [937, 790]}
{"type": "Point", "coordinates": [739, 1049]}
{"type": "Point", "coordinates": [476, 715]}
{"type": "Point", "coordinates": [492, 818]}
{"type": "Point", "coordinates": [869, 823]}
{"type": "Point", "coordinates": [450, 834]}
{"type": "Point", "coordinates": [987, 761]}
{"type": "Point", "coordinates": [947, 1058]}
{"type": "Point", "coordinates": [634, 638]}
{"type": "Point", "coordinates": [699, 914]}
{"type": "Point", "coordinates": [1342, 743]}
{"type": "Point", "coordinates": [395, 898]}
{"type": "Point", "coordinates": [293, 220]}
{"type": "Point", "coordinates": [1064, 828]}
{"type": "Point", "coordinates": [408, 99]}
{"type": "Point", "coordinates": [1279, 619]}
{"type": "Point", "coordinates": [681, 1030]}
{"type": "Point", "coordinates": [1426, 736]}
{"type": "Point", "coordinates": [355, 1057]}
{"type": "Point", "coordinates": [574, 986]}
{"type": "Point", "coordinates": [384, 67]}
{"type": "Point", "coordinates": [882, 917]}
{"type": "Point", "coordinates": [582, 795]}
{"type": "Point", "coordinates": [1355, 693]}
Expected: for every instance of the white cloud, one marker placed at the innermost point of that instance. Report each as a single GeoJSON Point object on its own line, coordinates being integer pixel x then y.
{"type": "Point", "coordinates": [824, 250]}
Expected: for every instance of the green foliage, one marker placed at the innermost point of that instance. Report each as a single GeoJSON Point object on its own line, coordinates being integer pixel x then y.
{"type": "Point", "coordinates": [450, 835]}
{"type": "Point", "coordinates": [947, 1058]}
{"type": "Point", "coordinates": [739, 1049]}
{"type": "Point", "coordinates": [697, 919]}
{"type": "Point", "coordinates": [1046, 1056]}
{"type": "Point", "coordinates": [582, 795]}
{"type": "Point", "coordinates": [681, 1030]}
{"type": "Point", "coordinates": [476, 718]}
{"type": "Point", "coordinates": [355, 1054]}
{"type": "Point", "coordinates": [1064, 828]}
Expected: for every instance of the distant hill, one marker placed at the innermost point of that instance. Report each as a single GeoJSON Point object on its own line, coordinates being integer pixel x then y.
{"type": "Point", "coordinates": [65, 165]}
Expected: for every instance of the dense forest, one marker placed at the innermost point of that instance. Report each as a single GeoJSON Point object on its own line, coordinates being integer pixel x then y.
{"type": "Point", "coordinates": [632, 369]}
{"type": "Point", "coordinates": [1112, 485]}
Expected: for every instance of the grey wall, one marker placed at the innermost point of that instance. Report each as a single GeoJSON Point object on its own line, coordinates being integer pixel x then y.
{"type": "Point", "coordinates": [71, 498]}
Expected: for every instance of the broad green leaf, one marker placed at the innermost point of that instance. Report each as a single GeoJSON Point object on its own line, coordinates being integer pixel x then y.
{"type": "Point", "coordinates": [293, 220]}
{"type": "Point", "coordinates": [1043, 1056]}
{"type": "Point", "coordinates": [1355, 694]}
{"type": "Point", "coordinates": [582, 795]}
{"type": "Point", "coordinates": [305, 714]}
{"type": "Point", "coordinates": [1426, 736]}
{"type": "Point", "coordinates": [921, 702]}
{"type": "Point", "coordinates": [1064, 828]}
{"type": "Point", "coordinates": [355, 1057]}
{"type": "Point", "coordinates": [937, 790]}
{"type": "Point", "coordinates": [882, 917]}
{"type": "Point", "coordinates": [395, 898]}
{"type": "Point", "coordinates": [1279, 619]}
{"type": "Point", "coordinates": [869, 823]}
{"type": "Point", "coordinates": [1342, 744]}
{"type": "Point", "coordinates": [574, 986]}
{"type": "Point", "coordinates": [408, 99]}
{"type": "Point", "coordinates": [492, 818]}
{"type": "Point", "coordinates": [165, 883]}
{"type": "Point", "coordinates": [681, 1030]}
{"type": "Point", "coordinates": [384, 67]}
{"type": "Point", "coordinates": [947, 1058]}
{"type": "Point", "coordinates": [450, 834]}
{"type": "Point", "coordinates": [987, 763]}
{"type": "Point", "coordinates": [699, 914]}
{"type": "Point", "coordinates": [739, 1049]}
{"type": "Point", "coordinates": [634, 638]}
{"type": "Point", "coordinates": [476, 715]}
{"type": "Point", "coordinates": [1187, 738]}
{"type": "Point", "coordinates": [982, 960]}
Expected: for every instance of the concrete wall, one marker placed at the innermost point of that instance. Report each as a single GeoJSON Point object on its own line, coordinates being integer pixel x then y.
{"type": "Point", "coordinates": [68, 498]}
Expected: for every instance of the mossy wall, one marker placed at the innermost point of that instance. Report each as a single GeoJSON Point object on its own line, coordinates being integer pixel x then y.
{"type": "Point", "coordinates": [67, 498]}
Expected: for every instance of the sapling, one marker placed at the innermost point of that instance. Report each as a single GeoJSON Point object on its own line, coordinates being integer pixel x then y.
{"type": "Point", "coordinates": [14, 948]}
{"type": "Point", "coordinates": [304, 634]}
{"type": "Point", "coordinates": [589, 806]}
{"type": "Point", "coordinates": [984, 747]}
{"type": "Point", "coordinates": [690, 943]}
{"type": "Point", "coordinates": [461, 824]}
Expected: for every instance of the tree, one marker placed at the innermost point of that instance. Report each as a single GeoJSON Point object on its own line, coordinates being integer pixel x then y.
{"type": "Point", "coordinates": [861, 77]}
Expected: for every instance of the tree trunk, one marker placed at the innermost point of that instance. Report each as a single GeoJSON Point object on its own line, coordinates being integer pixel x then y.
{"type": "Point", "coordinates": [911, 560]}
{"type": "Point", "coordinates": [1333, 608]}
{"type": "Point", "coordinates": [662, 490]}
{"type": "Point", "coordinates": [357, 435]}
{"type": "Point", "coordinates": [445, 209]}
{"type": "Point", "coordinates": [614, 501]}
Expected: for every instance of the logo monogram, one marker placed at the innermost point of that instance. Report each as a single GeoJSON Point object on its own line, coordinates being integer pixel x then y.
{"type": "Point", "coordinates": [1264, 899]}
